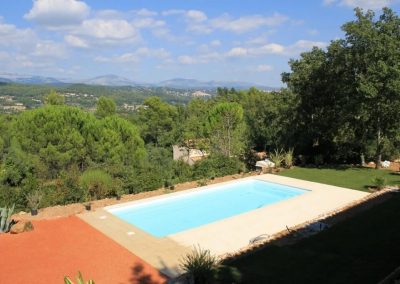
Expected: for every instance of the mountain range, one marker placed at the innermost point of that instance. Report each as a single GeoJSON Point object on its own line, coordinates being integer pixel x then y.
{"type": "Point", "coordinates": [114, 80]}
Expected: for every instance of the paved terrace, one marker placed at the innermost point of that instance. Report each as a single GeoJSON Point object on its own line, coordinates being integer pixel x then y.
{"type": "Point", "coordinates": [64, 246]}
{"type": "Point", "coordinates": [227, 235]}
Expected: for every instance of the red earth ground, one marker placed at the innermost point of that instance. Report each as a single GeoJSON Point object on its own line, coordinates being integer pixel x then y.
{"type": "Point", "coordinates": [64, 246]}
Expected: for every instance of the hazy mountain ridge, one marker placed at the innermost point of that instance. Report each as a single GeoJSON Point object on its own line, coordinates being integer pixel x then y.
{"type": "Point", "coordinates": [114, 80]}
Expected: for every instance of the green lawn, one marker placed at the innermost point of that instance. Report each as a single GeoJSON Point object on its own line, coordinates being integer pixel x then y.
{"type": "Point", "coordinates": [363, 249]}
{"type": "Point", "coordinates": [355, 178]}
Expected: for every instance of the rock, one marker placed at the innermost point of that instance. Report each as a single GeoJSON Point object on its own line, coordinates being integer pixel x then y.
{"type": "Point", "coordinates": [21, 226]}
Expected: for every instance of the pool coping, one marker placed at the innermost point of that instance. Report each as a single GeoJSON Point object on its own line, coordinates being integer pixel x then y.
{"type": "Point", "coordinates": [227, 235]}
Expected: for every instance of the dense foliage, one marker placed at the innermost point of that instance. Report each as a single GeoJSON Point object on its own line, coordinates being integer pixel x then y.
{"type": "Point", "coordinates": [341, 103]}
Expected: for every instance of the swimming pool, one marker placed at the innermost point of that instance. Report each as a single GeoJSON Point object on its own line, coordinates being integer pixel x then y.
{"type": "Point", "coordinates": [173, 214]}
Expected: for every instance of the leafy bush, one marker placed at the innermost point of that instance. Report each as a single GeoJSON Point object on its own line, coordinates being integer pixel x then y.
{"type": "Point", "coordinates": [145, 179]}
{"type": "Point", "coordinates": [217, 166]}
{"type": "Point", "coordinates": [228, 274]}
{"type": "Point", "coordinates": [97, 183]}
{"type": "Point", "coordinates": [379, 182]}
{"type": "Point", "coordinates": [12, 195]}
{"type": "Point", "coordinates": [202, 182]}
{"type": "Point", "coordinates": [318, 160]}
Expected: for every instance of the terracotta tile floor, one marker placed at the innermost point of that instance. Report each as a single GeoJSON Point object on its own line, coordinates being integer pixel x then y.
{"type": "Point", "coordinates": [65, 246]}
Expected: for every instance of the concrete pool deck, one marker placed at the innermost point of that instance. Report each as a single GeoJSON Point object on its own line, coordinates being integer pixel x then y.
{"type": "Point", "coordinates": [227, 235]}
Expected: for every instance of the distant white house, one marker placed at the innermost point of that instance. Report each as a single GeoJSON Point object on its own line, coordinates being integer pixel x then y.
{"type": "Point", "coordinates": [187, 155]}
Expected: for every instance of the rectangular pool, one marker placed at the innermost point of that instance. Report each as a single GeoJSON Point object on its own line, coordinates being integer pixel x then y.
{"type": "Point", "coordinates": [173, 214]}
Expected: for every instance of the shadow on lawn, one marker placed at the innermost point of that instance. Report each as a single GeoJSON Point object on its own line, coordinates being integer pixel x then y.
{"type": "Point", "coordinates": [330, 167]}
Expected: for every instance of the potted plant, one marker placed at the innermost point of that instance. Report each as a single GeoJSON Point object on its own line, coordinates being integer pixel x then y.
{"type": "Point", "coordinates": [34, 198]}
{"type": "Point", "coordinates": [88, 203]}
{"type": "Point", "coordinates": [118, 193]}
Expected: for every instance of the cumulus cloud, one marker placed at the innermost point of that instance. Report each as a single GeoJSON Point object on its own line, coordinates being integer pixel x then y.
{"type": "Point", "coordinates": [145, 13]}
{"type": "Point", "coordinates": [76, 41]}
{"type": "Point", "coordinates": [366, 4]}
{"type": "Point", "coordinates": [264, 68]}
{"type": "Point", "coordinates": [237, 52]}
{"type": "Point", "coordinates": [49, 49]}
{"type": "Point", "coordinates": [247, 23]}
{"type": "Point", "coordinates": [58, 13]}
{"type": "Point", "coordinates": [196, 16]}
{"type": "Point", "coordinates": [198, 22]}
{"type": "Point", "coordinates": [148, 23]}
{"type": "Point", "coordinates": [215, 42]}
{"type": "Point", "coordinates": [19, 39]}
{"type": "Point", "coordinates": [112, 29]}
{"type": "Point", "coordinates": [186, 59]}
{"type": "Point", "coordinates": [135, 56]}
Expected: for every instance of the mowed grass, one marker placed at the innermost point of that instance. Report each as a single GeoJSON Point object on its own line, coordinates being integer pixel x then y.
{"type": "Point", "coordinates": [349, 177]}
{"type": "Point", "coordinates": [363, 249]}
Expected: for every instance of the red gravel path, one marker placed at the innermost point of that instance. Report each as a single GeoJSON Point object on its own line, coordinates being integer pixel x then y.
{"type": "Point", "coordinates": [65, 246]}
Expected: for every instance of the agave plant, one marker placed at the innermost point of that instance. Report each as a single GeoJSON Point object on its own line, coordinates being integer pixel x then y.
{"type": "Point", "coordinates": [5, 219]}
{"type": "Point", "coordinates": [277, 157]}
{"type": "Point", "coordinates": [34, 198]}
{"type": "Point", "coordinates": [289, 158]}
{"type": "Point", "coordinates": [200, 266]}
{"type": "Point", "coordinates": [379, 182]}
{"type": "Point", "coordinates": [79, 280]}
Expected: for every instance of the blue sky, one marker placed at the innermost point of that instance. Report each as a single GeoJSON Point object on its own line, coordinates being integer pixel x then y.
{"type": "Point", "coordinates": [151, 41]}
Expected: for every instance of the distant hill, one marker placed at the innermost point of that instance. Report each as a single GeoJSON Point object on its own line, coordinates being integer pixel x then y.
{"type": "Point", "coordinates": [28, 79]}
{"type": "Point", "coordinates": [118, 81]}
{"type": "Point", "coordinates": [181, 83]}
{"type": "Point", "coordinates": [110, 80]}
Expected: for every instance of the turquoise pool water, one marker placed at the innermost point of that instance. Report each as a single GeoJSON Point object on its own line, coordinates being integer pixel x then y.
{"type": "Point", "coordinates": [174, 214]}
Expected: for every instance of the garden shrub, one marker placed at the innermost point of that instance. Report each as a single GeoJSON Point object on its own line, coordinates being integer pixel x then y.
{"type": "Point", "coordinates": [97, 183]}
{"type": "Point", "coordinates": [217, 166]}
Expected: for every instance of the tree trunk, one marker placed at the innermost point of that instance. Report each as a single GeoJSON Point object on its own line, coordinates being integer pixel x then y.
{"type": "Point", "coordinates": [363, 164]}
{"type": "Point", "coordinates": [378, 148]}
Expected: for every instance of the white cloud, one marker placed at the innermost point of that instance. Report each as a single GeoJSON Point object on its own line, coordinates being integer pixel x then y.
{"type": "Point", "coordinates": [76, 41]}
{"type": "Point", "coordinates": [369, 4]}
{"type": "Point", "coordinates": [196, 16]}
{"type": "Point", "coordinates": [58, 13]}
{"type": "Point", "coordinates": [215, 42]}
{"type": "Point", "coordinates": [328, 2]}
{"type": "Point", "coordinates": [107, 29]}
{"type": "Point", "coordinates": [264, 68]}
{"type": "Point", "coordinates": [172, 12]}
{"type": "Point", "coordinates": [237, 52]}
{"type": "Point", "coordinates": [145, 13]}
{"type": "Point", "coordinates": [247, 23]}
{"type": "Point", "coordinates": [366, 4]}
{"type": "Point", "coordinates": [49, 49]}
{"type": "Point", "coordinates": [148, 23]}
{"type": "Point", "coordinates": [186, 59]}
{"type": "Point", "coordinates": [18, 39]}
{"type": "Point", "coordinates": [303, 45]}
{"type": "Point", "coordinates": [270, 48]}
{"type": "Point", "coordinates": [135, 56]}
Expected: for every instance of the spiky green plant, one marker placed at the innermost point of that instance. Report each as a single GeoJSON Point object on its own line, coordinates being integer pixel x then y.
{"type": "Point", "coordinates": [379, 182]}
{"type": "Point", "coordinates": [5, 219]}
{"type": "Point", "coordinates": [79, 280]}
{"type": "Point", "coordinates": [200, 266]}
{"type": "Point", "coordinates": [289, 158]}
{"type": "Point", "coordinates": [34, 198]}
{"type": "Point", "coordinates": [277, 157]}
